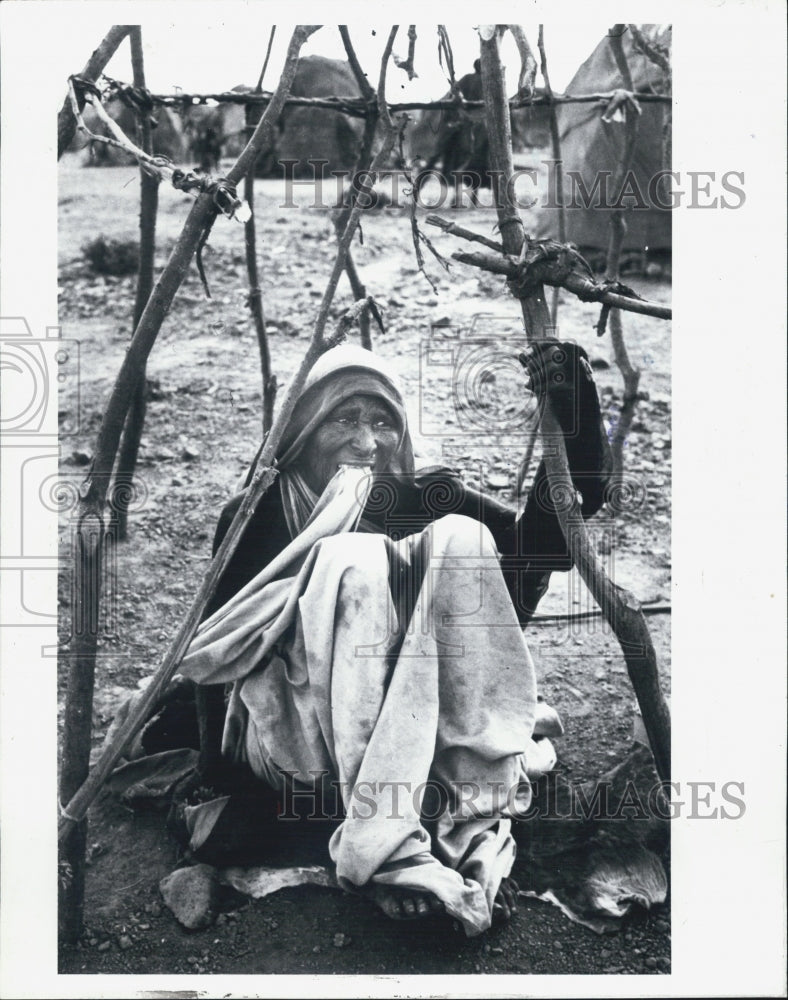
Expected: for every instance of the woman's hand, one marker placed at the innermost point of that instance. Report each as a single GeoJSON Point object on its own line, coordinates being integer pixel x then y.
{"type": "Point", "coordinates": [555, 367]}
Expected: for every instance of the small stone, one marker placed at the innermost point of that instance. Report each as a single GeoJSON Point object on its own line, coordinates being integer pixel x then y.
{"type": "Point", "coordinates": [164, 455]}
{"type": "Point", "coordinates": [650, 962]}
{"type": "Point", "coordinates": [486, 949]}
{"type": "Point", "coordinates": [93, 942]}
{"type": "Point", "coordinates": [663, 963]}
{"type": "Point", "coordinates": [124, 942]}
{"type": "Point", "coordinates": [498, 481]}
{"type": "Point", "coordinates": [221, 919]}
{"type": "Point", "coordinates": [662, 926]}
{"type": "Point", "coordinates": [316, 950]}
{"type": "Point", "coordinates": [496, 951]}
{"type": "Point", "coordinates": [341, 940]}
{"type": "Point", "coordinates": [144, 927]}
{"type": "Point", "coordinates": [192, 960]}
{"type": "Point", "coordinates": [104, 946]}
{"type": "Point", "coordinates": [176, 482]}
{"type": "Point", "coordinates": [190, 454]}
{"type": "Point", "coordinates": [558, 946]}
{"type": "Point", "coordinates": [153, 909]}
{"type": "Point", "coordinates": [80, 458]}
{"type": "Point", "coordinates": [192, 895]}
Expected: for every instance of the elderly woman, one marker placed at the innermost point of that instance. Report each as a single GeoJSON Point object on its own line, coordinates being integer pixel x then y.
{"type": "Point", "coordinates": [370, 626]}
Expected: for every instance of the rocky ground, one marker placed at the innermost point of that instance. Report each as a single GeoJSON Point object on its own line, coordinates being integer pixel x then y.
{"type": "Point", "coordinates": [202, 429]}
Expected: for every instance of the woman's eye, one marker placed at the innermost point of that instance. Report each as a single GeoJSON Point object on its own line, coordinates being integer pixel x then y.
{"type": "Point", "coordinates": [384, 425]}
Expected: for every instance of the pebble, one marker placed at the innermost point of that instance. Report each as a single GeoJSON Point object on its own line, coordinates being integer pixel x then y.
{"type": "Point", "coordinates": [192, 895]}
{"type": "Point", "coordinates": [651, 962]}
{"type": "Point", "coordinates": [558, 946]}
{"type": "Point", "coordinates": [190, 454]}
{"type": "Point", "coordinates": [153, 909]}
{"type": "Point", "coordinates": [341, 940]}
{"type": "Point", "coordinates": [663, 963]}
{"type": "Point", "coordinates": [662, 926]}
{"type": "Point", "coordinates": [125, 942]}
{"type": "Point", "coordinates": [496, 951]}
{"type": "Point", "coordinates": [317, 949]}
{"type": "Point", "coordinates": [104, 946]}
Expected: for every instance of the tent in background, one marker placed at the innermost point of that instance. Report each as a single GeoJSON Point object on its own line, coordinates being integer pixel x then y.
{"type": "Point", "coordinates": [588, 146]}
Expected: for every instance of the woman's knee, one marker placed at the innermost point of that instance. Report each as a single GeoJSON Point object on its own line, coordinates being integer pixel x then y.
{"type": "Point", "coordinates": [462, 536]}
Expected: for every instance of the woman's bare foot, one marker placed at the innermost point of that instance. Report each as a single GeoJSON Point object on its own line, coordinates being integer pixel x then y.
{"type": "Point", "coordinates": [505, 902]}
{"type": "Point", "coordinates": [405, 904]}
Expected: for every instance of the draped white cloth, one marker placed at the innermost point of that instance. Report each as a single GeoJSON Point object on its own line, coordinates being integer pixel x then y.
{"type": "Point", "coordinates": [327, 679]}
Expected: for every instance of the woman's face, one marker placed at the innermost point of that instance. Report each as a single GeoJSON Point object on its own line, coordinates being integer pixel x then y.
{"type": "Point", "coordinates": [360, 431]}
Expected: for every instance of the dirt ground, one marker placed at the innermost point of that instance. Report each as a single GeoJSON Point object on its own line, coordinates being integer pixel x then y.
{"type": "Point", "coordinates": [202, 430]}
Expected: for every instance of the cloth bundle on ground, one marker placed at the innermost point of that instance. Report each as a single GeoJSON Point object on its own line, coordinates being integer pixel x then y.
{"type": "Point", "coordinates": [372, 638]}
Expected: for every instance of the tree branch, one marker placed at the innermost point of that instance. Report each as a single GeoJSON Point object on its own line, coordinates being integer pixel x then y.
{"type": "Point", "coordinates": [551, 273]}
{"type": "Point", "coordinates": [66, 120]}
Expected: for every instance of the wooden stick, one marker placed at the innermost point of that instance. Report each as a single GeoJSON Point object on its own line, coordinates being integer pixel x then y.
{"type": "Point", "coordinates": [618, 229]}
{"type": "Point", "coordinates": [527, 78]}
{"type": "Point", "coordinates": [89, 552]}
{"type": "Point", "coordinates": [584, 288]}
{"type": "Point", "coordinates": [559, 163]}
{"type": "Point", "coordinates": [90, 521]}
{"type": "Point", "coordinates": [268, 381]}
{"type": "Point", "coordinates": [363, 161]}
{"type": "Point", "coordinates": [358, 107]}
{"type": "Point", "coordinates": [123, 486]}
{"type": "Point", "coordinates": [66, 120]}
{"type": "Point", "coordinates": [262, 478]}
{"type": "Point", "coordinates": [465, 234]}
{"type": "Point", "coordinates": [650, 51]}
{"type": "Point", "coordinates": [620, 608]}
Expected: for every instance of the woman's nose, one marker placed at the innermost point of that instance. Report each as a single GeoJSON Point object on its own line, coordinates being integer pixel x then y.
{"type": "Point", "coordinates": [364, 440]}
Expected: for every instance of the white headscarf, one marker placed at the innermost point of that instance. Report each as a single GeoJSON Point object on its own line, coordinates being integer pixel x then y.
{"type": "Point", "coordinates": [340, 373]}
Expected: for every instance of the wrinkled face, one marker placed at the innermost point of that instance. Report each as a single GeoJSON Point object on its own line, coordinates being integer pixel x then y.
{"type": "Point", "coordinates": [360, 431]}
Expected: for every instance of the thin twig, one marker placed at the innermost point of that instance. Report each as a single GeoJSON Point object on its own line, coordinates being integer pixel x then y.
{"type": "Point", "coordinates": [259, 87]}
{"type": "Point", "coordinates": [407, 64]}
{"type": "Point", "coordinates": [466, 234]}
{"type": "Point", "coordinates": [558, 160]}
